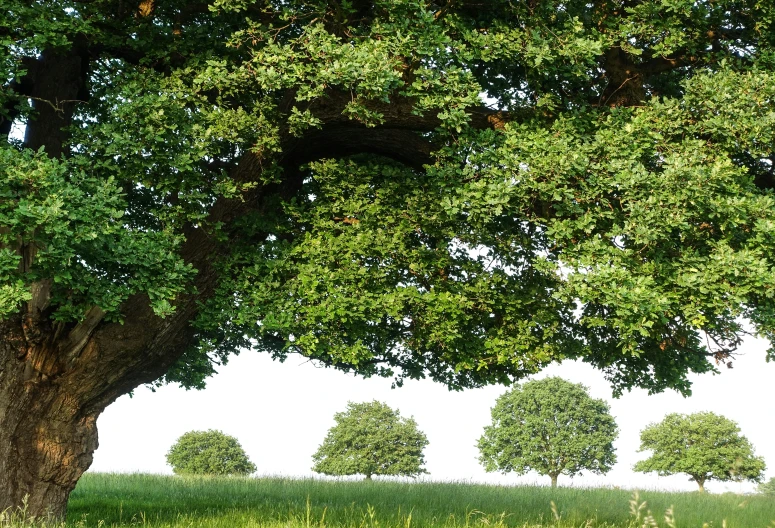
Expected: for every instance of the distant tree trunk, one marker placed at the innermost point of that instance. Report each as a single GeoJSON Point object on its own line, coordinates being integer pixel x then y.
{"type": "Point", "coordinates": [700, 483]}
{"type": "Point", "coordinates": [368, 477]}
{"type": "Point", "coordinates": [554, 479]}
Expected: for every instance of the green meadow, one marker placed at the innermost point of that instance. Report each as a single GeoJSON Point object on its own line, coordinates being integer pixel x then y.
{"type": "Point", "coordinates": [113, 500]}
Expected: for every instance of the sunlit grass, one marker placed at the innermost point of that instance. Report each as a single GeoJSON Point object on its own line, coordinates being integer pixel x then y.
{"type": "Point", "coordinates": [155, 501]}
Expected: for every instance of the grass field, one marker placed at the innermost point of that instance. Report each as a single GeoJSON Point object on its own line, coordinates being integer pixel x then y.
{"type": "Point", "coordinates": [105, 500]}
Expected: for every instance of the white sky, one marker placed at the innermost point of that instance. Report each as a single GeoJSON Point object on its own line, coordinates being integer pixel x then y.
{"type": "Point", "coordinates": [280, 413]}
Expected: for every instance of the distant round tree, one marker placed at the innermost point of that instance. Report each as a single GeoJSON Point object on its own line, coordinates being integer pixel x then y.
{"type": "Point", "coordinates": [767, 488]}
{"type": "Point", "coordinates": [551, 426]}
{"type": "Point", "coordinates": [371, 439]}
{"type": "Point", "coordinates": [703, 445]}
{"type": "Point", "coordinates": [209, 453]}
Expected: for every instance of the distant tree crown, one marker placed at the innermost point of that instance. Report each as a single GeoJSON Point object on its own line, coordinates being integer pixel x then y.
{"type": "Point", "coordinates": [209, 453]}
{"type": "Point", "coordinates": [371, 439]}
{"type": "Point", "coordinates": [551, 426]}
{"type": "Point", "coordinates": [767, 488]}
{"type": "Point", "coordinates": [704, 445]}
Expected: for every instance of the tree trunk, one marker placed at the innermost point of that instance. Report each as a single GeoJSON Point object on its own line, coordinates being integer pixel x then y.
{"type": "Point", "coordinates": [46, 437]}
{"type": "Point", "coordinates": [554, 480]}
{"type": "Point", "coordinates": [57, 85]}
{"type": "Point", "coordinates": [701, 484]}
{"type": "Point", "coordinates": [368, 477]}
{"type": "Point", "coordinates": [55, 380]}
{"type": "Point", "coordinates": [46, 440]}
{"type": "Point", "coordinates": [625, 80]}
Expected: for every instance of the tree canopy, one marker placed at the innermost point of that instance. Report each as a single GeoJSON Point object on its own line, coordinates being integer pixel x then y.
{"type": "Point", "coordinates": [550, 426]}
{"type": "Point", "coordinates": [209, 453]}
{"type": "Point", "coordinates": [703, 445]}
{"type": "Point", "coordinates": [369, 439]}
{"type": "Point", "coordinates": [461, 190]}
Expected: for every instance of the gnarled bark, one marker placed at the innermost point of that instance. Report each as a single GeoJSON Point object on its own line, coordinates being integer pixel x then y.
{"type": "Point", "coordinates": [56, 379]}
{"type": "Point", "coordinates": [46, 437]}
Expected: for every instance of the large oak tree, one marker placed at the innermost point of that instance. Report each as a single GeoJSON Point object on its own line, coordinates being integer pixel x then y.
{"type": "Point", "coordinates": [458, 189]}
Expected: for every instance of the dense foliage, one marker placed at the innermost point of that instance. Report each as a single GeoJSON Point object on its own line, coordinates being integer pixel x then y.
{"type": "Point", "coordinates": [703, 445]}
{"type": "Point", "coordinates": [209, 453]}
{"type": "Point", "coordinates": [550, 426]}
{"type": "Point", "coordinates": [369, 439]}
{"type": "Point", "coordinates": [616, 209]}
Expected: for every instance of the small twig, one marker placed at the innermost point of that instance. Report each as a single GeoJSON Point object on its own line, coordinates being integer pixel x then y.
{"type": "Point", "coordinates": [57, 108]}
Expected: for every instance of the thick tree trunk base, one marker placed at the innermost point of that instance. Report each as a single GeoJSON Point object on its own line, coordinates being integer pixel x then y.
{"type": "Point", "coordinates": [46, 442]}
{"type": "Point", "coordinates": [41, 474]}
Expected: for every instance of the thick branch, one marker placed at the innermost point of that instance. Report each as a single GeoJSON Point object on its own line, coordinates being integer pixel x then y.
{"type": "Point", "coordinates": [57, 83]}
{"type": "Point", "coordinates": [400, 113]}
{"type": "Point", "coordinates": [405, 146]}
{"type": "Point", "coordinates": [661, 64]}
{"type": "Point", "coordinates": [80, 334]}
{"type": "Point", "coordinates": [40, 295]}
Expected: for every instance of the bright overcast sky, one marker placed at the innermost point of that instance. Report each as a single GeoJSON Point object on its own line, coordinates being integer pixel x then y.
{"type": "Point", "coordinates": [280, 413]}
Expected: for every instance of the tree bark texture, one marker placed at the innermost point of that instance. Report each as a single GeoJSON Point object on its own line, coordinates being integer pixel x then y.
{"type": "Point", "coordinates": [46, 438]}
{"type": "Point", "coordinates": [56, 379]}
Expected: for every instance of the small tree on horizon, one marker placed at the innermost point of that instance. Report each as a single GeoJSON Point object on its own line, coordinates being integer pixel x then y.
{"type": "Point", "coordinates": [209, 452]}
{"type": "Point", "coordinates": [704, 445]}
{"type": "Point", "coordinates": [767, 488]}
{"type": "Point", "coordinates": [551, 426]}
{"type": "Point", "coordinates": [369, 439]}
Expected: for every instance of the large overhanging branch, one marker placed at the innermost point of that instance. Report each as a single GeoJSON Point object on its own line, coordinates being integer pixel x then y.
{"type": "Point", "coordinates": [122, 356]}
{"type": "Point", "coordinates": [144, 346]}
{"type": "Point", "coordinates": [401, 135]}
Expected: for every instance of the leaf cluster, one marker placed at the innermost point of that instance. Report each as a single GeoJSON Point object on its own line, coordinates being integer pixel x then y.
{"type": "Point", "coordinates": [73, 223]}
{"type": "Point", "coordinates": [618, 209]}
